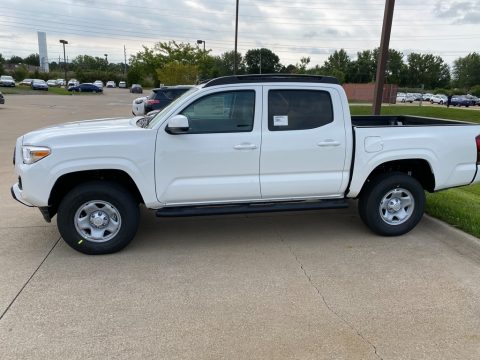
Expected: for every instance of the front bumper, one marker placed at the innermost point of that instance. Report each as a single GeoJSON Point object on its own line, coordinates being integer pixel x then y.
{"type": "Point", "coordinates": [17, 195]}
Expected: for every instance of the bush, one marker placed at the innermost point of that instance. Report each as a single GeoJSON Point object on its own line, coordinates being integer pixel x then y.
{"type": "Point", "coordinates": [475, 90]}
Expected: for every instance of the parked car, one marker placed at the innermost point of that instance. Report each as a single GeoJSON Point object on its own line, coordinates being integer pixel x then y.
{"type": "Point", "coordinates": [111, 84]}
{"type": "Point", "coordinates": [39, 84]}
{"type": "Point", "coordinates": [60, 82]}
{"type": "Point", "coordinates": [52, 83]}
{"type": "Point", "coordinates": [460, 101]}
{"type": "Point", "coordinates": [136, 89]}
{"type": "Point", "coordinates": [426, 97]}
{"type": "Point", "coordinates": [439, 99]}
{"type": "Point", "coordinates": [7, 80]}
{"type": "Point", "coordinates": [473, 100]}
{"type": "Point", "coordinates": [2, 99]}
{"type": "Point", "coordinates": [25, 82]}
{"type": "Point", "coordinates": [161, 97]}
{"type": "Point", "coordinates": [416, 96]}
{"type": "Point", "coordinates": [122, 84]}
{"type": "Point", "coordinates": [138, 106]}
{"type": "Point", "coordinates": [241, 144]}
{"type": "Point", "coordinates": [405, 97]}
{"type": "Point", "coordinates": [86, 87]}
{"type": "Point", "coordinates": [73, 82]}
{"type": "Point", "coordinates": [98, 83]}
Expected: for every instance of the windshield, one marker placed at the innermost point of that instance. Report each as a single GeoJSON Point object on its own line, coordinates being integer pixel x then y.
{"type": "Point", "coordinates": [166, 109]}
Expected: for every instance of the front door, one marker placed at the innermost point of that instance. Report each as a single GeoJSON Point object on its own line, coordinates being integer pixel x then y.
{"type": "Point", "coordinates": [217, 159]}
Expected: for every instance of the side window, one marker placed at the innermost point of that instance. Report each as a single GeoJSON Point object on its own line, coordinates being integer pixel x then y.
{"type": "Point", "coordinates": [230, 111]}
{"type": "Point", "coordinates": [298, 109]}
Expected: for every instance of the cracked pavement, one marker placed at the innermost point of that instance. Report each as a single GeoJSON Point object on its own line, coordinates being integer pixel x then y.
{"type": "Point", "coordinates": [300, 285]}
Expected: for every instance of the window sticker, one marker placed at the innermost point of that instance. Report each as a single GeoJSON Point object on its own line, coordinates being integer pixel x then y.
{"type": "Point", "coordinates": [280, 120]}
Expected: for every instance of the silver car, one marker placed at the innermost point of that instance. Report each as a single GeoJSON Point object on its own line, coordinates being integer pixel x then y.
{"type": "Point", "coordinates": [6, 80]}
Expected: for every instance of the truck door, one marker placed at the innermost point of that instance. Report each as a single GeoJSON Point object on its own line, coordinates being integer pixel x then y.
{"type": "Point", "coordinates": [217, 159]}
{"type": "Point", "coordinates": [303, 143]}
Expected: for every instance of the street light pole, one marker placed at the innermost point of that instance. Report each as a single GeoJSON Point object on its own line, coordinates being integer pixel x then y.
{"type": "Point", "coordinates": [64, 59]}
{"type": "Point", "coordinates": [202, 41]}
{"type": "Point", "coordinates": [106, 59]}
{"type": "Point", "coordinates": [236, 37]}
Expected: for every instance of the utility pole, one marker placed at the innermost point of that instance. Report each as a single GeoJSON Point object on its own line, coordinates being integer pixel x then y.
{"type": "Point", "coordinates": [125, 63]}
{"type": "Point", "coordinates": [236, 37]}
{"type": "Point", "coordinates": [260, 61]}
{"type": "Point", "coordinates": [383, 55]}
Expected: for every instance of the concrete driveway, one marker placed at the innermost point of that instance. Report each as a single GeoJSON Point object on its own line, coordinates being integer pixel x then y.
{"type": "Point", "coordinates": [312, 285]}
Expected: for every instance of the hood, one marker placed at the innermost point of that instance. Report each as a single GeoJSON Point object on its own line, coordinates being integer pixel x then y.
{"type": "Point", "coordinates": [104, 127]}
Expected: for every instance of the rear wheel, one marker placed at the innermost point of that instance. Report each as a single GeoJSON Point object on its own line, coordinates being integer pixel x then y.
{"type": "Point", "coordinates": [98, 217]}
{"type": "Point", "coordinates": [392, 204]}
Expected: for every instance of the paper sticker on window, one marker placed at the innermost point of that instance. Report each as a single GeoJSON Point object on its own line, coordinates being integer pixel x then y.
{"type": "Point", "coordinates": [280, 120]}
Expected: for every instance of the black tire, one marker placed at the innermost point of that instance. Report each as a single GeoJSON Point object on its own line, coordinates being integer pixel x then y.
{"type": "Point", "coordinates": [401, 188]}
{"type": "Point", "coordinates": [110, 197]}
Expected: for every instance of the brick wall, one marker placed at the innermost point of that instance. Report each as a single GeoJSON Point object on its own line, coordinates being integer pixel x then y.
{"type": "Point", "coordinates": [364, 92]}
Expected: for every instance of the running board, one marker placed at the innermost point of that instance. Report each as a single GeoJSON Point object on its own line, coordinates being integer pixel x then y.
{"type": "Point", "coordinates": [250, 208]}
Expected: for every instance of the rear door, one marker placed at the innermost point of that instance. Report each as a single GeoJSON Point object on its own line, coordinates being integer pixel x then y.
{"type": "Point", "coordinates": [303, 143]}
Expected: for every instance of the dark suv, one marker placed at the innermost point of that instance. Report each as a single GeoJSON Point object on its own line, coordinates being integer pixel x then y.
{"type": "Point", "coordinates": [161, 97]}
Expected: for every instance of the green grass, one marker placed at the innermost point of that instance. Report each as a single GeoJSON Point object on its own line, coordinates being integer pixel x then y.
{"type": "Point", "coordinates": [460, 207]}
{"type": "Point", "coordinates": [428, 111]}
{"type": "Point", "coordinates": [26, 90]}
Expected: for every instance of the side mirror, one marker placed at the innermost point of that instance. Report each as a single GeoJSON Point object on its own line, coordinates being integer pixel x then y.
{"type": "Point", "coordinates": [177, 124]}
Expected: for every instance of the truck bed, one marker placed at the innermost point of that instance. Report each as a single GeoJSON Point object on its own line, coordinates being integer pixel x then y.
{"type": "Point", "coordinates": [401, 120]}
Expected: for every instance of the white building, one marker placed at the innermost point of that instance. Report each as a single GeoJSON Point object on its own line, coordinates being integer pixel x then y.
{"type": "Point", "coordinates": [42, 51]}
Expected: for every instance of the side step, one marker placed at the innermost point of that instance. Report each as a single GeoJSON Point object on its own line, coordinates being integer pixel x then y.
{"type": "Point", "coordinates": [250, 208]}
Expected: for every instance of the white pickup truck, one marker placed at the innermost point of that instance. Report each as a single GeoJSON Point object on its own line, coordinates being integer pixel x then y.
{"type": "Point", "coordinates": [241, 144]}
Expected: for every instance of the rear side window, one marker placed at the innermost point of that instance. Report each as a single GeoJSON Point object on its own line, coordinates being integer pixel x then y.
{"type": "Point", "coordinates": [298, 109]}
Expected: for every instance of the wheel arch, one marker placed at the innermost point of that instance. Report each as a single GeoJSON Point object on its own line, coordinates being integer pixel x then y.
{"type": "Point", "coordinates": [67, 182]}
{"type": "Point", "coordinates": [419, 169]}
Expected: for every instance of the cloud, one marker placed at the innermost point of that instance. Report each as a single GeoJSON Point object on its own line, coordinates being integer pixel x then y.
{"type": "Point", "coordinates": [459, 12]}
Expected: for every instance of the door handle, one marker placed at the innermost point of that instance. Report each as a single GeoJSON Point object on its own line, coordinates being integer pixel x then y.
{"type": "Point", "coordinates": [245, 146]}
{"type": "Point", "coordinates": [329, 142]}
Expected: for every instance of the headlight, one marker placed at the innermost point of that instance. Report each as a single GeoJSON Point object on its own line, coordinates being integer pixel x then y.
{"type": "Point", "coordinates": [32, 154]}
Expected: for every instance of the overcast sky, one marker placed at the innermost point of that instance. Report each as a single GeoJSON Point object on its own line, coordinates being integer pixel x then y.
{"type": "Point", "coordinates": [292, 29]}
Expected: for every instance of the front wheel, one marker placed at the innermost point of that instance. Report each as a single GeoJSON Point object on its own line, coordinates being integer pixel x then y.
{"type": "Point", "coordinates": [98, 217]}
{"type": "Point", "coordinates": [392, 204]}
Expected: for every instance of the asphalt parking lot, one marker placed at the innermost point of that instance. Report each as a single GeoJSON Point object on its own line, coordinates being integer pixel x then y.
{"type": "Point", "coordinates": [300, 285]}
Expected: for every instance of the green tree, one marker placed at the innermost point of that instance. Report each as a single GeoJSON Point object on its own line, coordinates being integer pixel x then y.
{"type": "Point", "coordinates": [87, 62]}
{"type": "Point", "coordinates": [262, 61]}
{"type": "Point", "coordinates": [427, 69]}
{"type": "Point", "coordinates": [396, 68]}
{"type": "Point", "coordinates": [363, 69]}
{"type": "Point", "coordinates": [14, 59]}
{"type": "Point", "coordinates": [176, 73]}
{"type": "Point", "coordinates": [302, 67]}
{"type": "Point", "coordinates": [225, 63]}
{"type": "Point", "coordinates": [148, 61]}
{"type": "Point", "coordinates": [20, 72]}
{"type": "Point", "coordinates": [337, 65]}
{"type": "Point", "coordinates": [2, 61]}
{"type": "Point", "coordinates": [32, 59]}
{"type": "Point", "coordinates": [466, 70]}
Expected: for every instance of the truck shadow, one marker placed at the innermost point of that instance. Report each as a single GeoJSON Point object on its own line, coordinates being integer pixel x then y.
{"type": "Point", "coordinates": [157, 234]}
